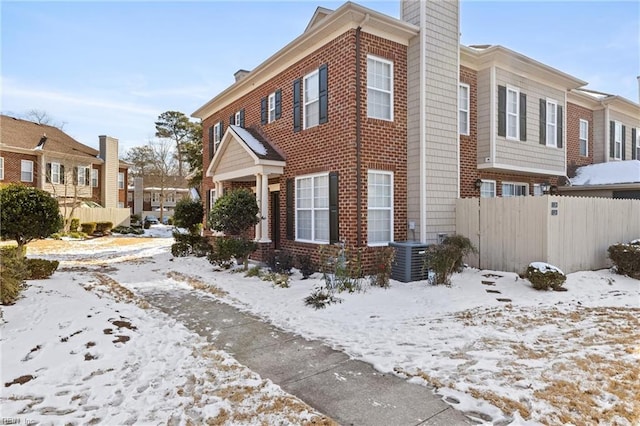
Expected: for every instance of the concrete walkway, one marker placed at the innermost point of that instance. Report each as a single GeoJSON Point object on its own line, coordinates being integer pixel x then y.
{"type": "Point", "coordinates": [349, 391]}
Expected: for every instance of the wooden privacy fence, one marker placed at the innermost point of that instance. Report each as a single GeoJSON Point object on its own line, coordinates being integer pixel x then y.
{"type": "Point", "coordinates": [571, 233]}
{"type": "Point", "coordinates": [118, 216]}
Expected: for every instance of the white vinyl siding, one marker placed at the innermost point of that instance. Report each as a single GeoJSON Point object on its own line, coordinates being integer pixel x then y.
{"type": "Point", "coordinates": [513, 113]}
{"type": "Point", "coordinates": [488, 189]}
{"type": "Point", "coordinates": [272, 107]}
{"type": "Point", "coordinates": [26, 171]}
{"type": "Point", "coordinates": [1, 168]}
{"type": "Point", "coordinates": [552, 123]}
{"type": "Point", "coordinates": [584, 138]}
{"type": "Point", "coordinates": [311, 100]}
{"type": "Point", "coordinates": [380, 207]}
{"type": "Point", "coordinates": [463, 109]}
{"type": "Point", "coordinates": [514, 189]}
{"type": "Point", "coordinates": [312, 208]}
{"type": "Point", "coordinates": [94, 178]}
{"type": "Point", "coordinates": [379, 88]}
{"type": "Point", "coordinates": [120, 180]}
{"type": "Point", "coordinates": [617, 140]}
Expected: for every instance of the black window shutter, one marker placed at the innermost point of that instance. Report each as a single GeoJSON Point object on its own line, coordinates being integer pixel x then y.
{"type": "Point", "coordinates": [634, 144]}
{"type": "Point", "coordinates": [612, 139]}
{"type": "Point", "coordinates": [211, 129]}
{"type": "Point", "coordinates": [208, 200]}
{"type": "Point", "coordinates": [624, 130]}
{"type": "Point", "coordinates": [297, 122]}
{"type": "Point", "coordinates": [232, 119]}
{"type": "Point", "coordinates": [290, 193]}
{"type": "Point", "coordinates": [278, 103]}
{"type": "Point", "coordinates": [523, 117]}
{"type": "Point", "coordinates": [559, 125]}
{"type": "Point", "coordinates": [323, 94]}
{"type": "Point", "coordinates": [543, 122]}
{"type": "Point", "coordinates": [502, 111]}
{"type": "Point", "coordinates": [48, 172]}
{"type": "Point", "coordinates": [263, 110]}
{"type": "Point", "coordinates": [241, 123]}
{"type": "Point", "coordinates": [334, 223]}
{"type": "Point", "coordinates": [61, 173]}
{"type": "Point", "coordinates": [221, 130]}
{"type": "Point", "coordinates": [87, 176]}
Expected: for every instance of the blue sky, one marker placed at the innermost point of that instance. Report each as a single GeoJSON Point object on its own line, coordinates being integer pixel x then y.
{"type": "Point", "coordinates": [113, 67]}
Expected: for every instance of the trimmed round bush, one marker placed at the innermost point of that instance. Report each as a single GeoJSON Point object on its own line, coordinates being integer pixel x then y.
{"type": "Point", "coordinates": [626, 258]}
{"type": "Point", "coordinates": [40, 269]}
{"type": "Point", "coordinates": [543, 276]}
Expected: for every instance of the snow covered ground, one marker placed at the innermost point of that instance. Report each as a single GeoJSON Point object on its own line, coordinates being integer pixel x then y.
{"type": "Point", "coordinates": [490, 344]}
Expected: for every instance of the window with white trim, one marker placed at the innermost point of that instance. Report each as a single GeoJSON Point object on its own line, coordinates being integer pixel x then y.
{"type": "Point", "coordinates": [170, 197]}
{"type": "Point", "coordinates": [637, 144]}
{"type": "Point", "coordinates": [552, 123]}
{"type": "Point", "coordinates": [212, 198]}
{"type": "Point", "coordinates": [379, 207]}
{"type": "Point", "coordinates": [617, 140]}
{"type": "Point", "coordinates": [513, 113]}
{"type": "Point", "coordinates": [236, 118]}
{"type": "Point", "coordinates": [463, 109]}
{"type": "Point", "coordinates": [379, 88]}
{"type": "Point", "coordinates": [120, 180]}
{"type": "Point", "coordinates": [94, 178]}
{"type": "Point", "coordinates": [83, 175]}
{"type": "Point", "coordinates": [1, 168]}
{"type": "Point", "coordinates": [271, 107]}
{"type": "Point", "coordinates": [312, 208]}
{"type": "Point", "coordinates": [488, 189]}
{"type": "Point", "coordinates": [54, 173]}
{"type": "Point", "coordinates": [514, 189]}
{"type": "Point", "coordinates": [311, 99]}
{"type": "Point", "coordinates": [537, 190]}
{"type": "Point", "coordinates": [217, 136]}
{"type": "Point", "coordinates": [155, 197]}
{"type": "Point", "coordinates": [26, 171]}
{"type": "Point", "coordinates": [584, 138]}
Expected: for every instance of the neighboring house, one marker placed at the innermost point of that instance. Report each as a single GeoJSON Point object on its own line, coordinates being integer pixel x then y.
{"type": "Point", "coordinates": [145, 195]}
{"type": "Point", "coordinates": [47, 158]}
{"type": "Point", "coordinates": [366, 129]}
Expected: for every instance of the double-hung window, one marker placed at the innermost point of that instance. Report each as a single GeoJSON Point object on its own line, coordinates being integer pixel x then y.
{"type": "Point", "coordinates": [513, 113]}
{"type": "Point", "coordinates": [217, 136]}
{"type": "Point", "coordinates": [237, 119]}
{"type": "Point", "coordinates": [584, 138]}
{"type": "Point", "coordinates": [272, 107]}
{"type": "Point", "coordinates": [120, 180]}
{"type": "Point", "coordinates": [488, 189]}
{"type": "Point", "coordinates": [54, 173]}
{"type": "Point", "coordinates": [1, 168]}
{"type": "Point", "coordinates": [82, 176]}
{"type": "Point", "coordinates": [94, 178]}
{"type": "Point", "coordinates": [617, 141]}
{"type": "Point", "coordinates": [312, 208]}
{"type": "Point", "coordinates": [636, 144]}
{"type": "Point", "coordinates": [552, 123]}
{"type": "Point", "coordinates": [170, 198]}
{"type": "Point", "coordinates": [379, 88]}
{"type": "Point", "coordinates": [155, 197]}
{"type": "Point", "coordinates": [311, 100]}
{"type": "Point", "coordinates": [26, 171]}
{"type": "Point", "coordinates": [514, 189]}
{"type": "Point", "coordinates": [463, 109]}
{"type": "Point", "coordinates": [380, 207]}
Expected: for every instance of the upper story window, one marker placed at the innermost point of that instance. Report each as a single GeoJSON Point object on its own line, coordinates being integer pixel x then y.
{"type": "Point", "coordinates": [272, 107]}
{"type": "Point", "coordinates": [237, 121]}
{"type": "Point", "coordinates": [584, 138]}
{"type": "Point", "coordinates": [1, 168]}
{"type": "Point", "coordinates": [83, 176]}
{"type": "Point", "coordinates": [463, 109]}
{"type": "Point", "coordinates": [120, 180]}
{"type": "Point", "coordinates": [380, 207]}
{"type": "Point", "coordinates": [488, 189]}
{"type": "Point", "coordinates": [26, 171]}
{"type": "Point", "coordinates": [510, 189]}
{"type": "Point", "coordinates": [155, 197]}
{"type": "Point", "coordinates": [170, 197]}
{"type": "Point", "coordinates": [94, 178]}
{"type": "Point", "coordinates": [379, 88]}
{"type": "Point", "coordinates": [217, 135]}
{"type": "Point", "coordinates": [552, 123]}
{"type": "Point", "coordinates": [513, 113]}
{"type": "Point", "coordinates": [312, 208]}
{"type": "Point", "coordinates": [311, 100]}
{"type": "Point", "coordinates": [636, 144]}
{"type": "Point", "coordinates": [617, 140]}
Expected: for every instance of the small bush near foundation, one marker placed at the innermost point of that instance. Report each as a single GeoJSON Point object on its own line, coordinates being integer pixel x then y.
{"type": "Point", "coordinates": [103, 227]}
{"type": "Point", "coordinates": [190, 244]}
{"type": "Point", "coordinates": [278, 280]}
{"type": "Point", "coordinates": [626, 258]}
{"type": "Point", "coordinates": [254, 271]}
{"type": "Point", "coordinates": [341, 270]}
{"type": "Point", "coordinates": [127, 230]}
{"type": "Point", "coordinates": [543, 276]}
{"type": "Point", "coordinates": [383, 260]}
{"type": "Point", "coordinates": [280, 262]}
{"type": "Point", "coordinates": [446, 258]}
{"type": "Point", "coordinates": [306, 265]}
{"type": "Point", "coordinates": [12, 274]}
{"type": "Point", "coordinates": [88, 227]}
{"type": "Point", "coordinates": [180, 249]}
{"type": "Point", "coordinates": [74, 224]}
{"type": "Point", "coordinates": [40, 269]}
{"type": "Point", "coordinates": [146, 224]}
{"type": "Point", "coordinates": [320, 298]}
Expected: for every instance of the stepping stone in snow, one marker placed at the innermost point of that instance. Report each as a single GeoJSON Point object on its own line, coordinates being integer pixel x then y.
{"type": "Point", "coordinates": [492, 276]}
{"type": "Point", "coordinates": [503, 300]}
{"type": "Point", "coordinates": [488, 290]}
{"type": "Point", "coordinates": [488, 282]}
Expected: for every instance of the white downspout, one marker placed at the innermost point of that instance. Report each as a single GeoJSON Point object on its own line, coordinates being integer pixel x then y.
{"type": "Point", "coordinates": [422, 122]}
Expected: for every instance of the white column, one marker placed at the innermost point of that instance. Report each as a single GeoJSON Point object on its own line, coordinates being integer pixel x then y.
{"type": "Point", "coordinates": [264, 209]}
{"type": "Point", "coordinates": [258, 193]}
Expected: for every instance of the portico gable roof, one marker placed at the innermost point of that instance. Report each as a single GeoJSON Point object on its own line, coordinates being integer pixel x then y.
{"type": "Point", "coordinates": [242, 154]}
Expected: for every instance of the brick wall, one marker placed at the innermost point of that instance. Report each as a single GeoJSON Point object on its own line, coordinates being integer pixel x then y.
{"type": "Point", "coordinates": [331, 147]}
{"type": "Point", "coordinates": [12, 167]}
{"type": "Point", "coordinates": [574, 114]}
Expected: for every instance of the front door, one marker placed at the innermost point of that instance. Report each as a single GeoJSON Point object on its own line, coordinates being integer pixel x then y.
{"type": "Point", "coordinates": [275, 219]}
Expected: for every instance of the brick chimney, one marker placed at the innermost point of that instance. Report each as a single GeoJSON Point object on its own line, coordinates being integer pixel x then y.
{"type": "Point", "coordinates": [240, 74]}
{"type": "Point", "coordinates": [109, 178]}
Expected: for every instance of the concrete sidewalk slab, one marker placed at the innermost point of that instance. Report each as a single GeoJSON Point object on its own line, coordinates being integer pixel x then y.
{"type": "Point", "coordinates": [349, 391]}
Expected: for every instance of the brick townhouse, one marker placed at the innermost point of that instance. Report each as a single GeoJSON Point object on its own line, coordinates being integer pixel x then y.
{"type": "Point", "coordinates": [366, 128]}
{"type": "Point", "coordinates": [45, 157]}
